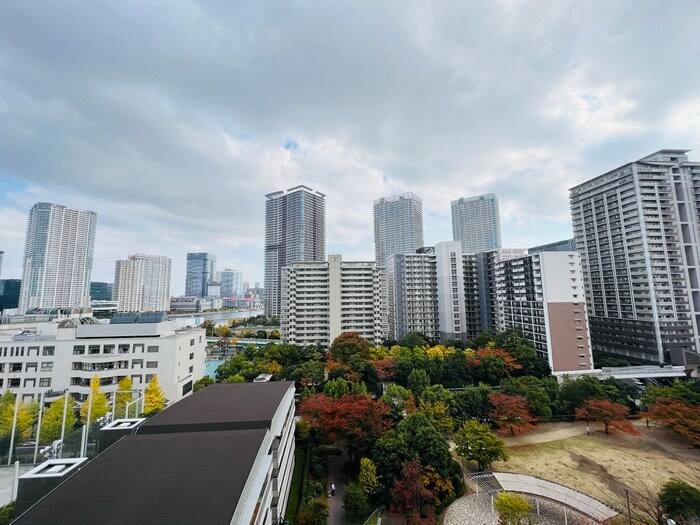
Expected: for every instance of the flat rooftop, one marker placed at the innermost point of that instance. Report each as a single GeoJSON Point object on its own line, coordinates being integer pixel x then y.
{"type": "Point", "coordinates": [178, 479]}
{"type": "Point", "coordinates": [221, 407]}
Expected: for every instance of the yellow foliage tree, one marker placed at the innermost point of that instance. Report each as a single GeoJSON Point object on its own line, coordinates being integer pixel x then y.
{"type": "Point", "coordinates": [97, 400]}
{"type": "Point", "coordinates": [123, 396]}
{"type": "Point", "coordinates": [154, 400]}
{"type": "Point", "coordinates": [53, 419]}
{"type": "Point", "coordinates": [7, 413]}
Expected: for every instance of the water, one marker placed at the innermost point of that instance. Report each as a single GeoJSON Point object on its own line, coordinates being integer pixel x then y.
{"type": "Point", "coordinates": [219, 318]}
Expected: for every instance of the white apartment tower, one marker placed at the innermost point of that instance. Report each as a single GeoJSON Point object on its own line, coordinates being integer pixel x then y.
{"type": "Point", "coordinates": [398, 226]}
{"type": "Point", "coordinates": [321, 300]}
{"type": "Point", "coordinates": [295, 231]}
{"type": "Point", "coordinates": [476, 223]}
{"type": "Point", "coordinates": [637, 230]}
{"type": "Point", "coordinates": [58, 257]}
{"type": "Point", "coordinates": [142, 284]}
{"type": "Point", "coordinates": [542, 296]}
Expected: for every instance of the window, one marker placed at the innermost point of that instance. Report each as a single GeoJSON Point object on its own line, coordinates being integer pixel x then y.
{"type": "Point", "coordinates": [136, 378]}
{"type": "Point", "coordinates": [30, 382]}
{"type": "Point", "coordinates": [149, 378]}
{"type": "Point", "coordinates": [94, 349]}
{"type": "Point", "coordinates": [2, 382]}
{"type": "Point", "coordinates": [137, 363]}
{"type": "Point", "coordinates": [48, 350]}
{"type": "Point", "coordinates": [31, 367]}
{"type": "Point", "coordinates": [15, 367]}
{"type": "Point", "coordinates": [108, 349]}
{"type": "Point", "coordinates": [34, 349]}
{"type": "Point", "coordinates": [138, 348]}
{"type": "Point", "coordinates": [2, 367]}
{"type": "Point", "coordinates": [191, 342]}
{"type": "Point", "coordinates": [191, 356]}
{"type": "Point", "coordinates": [78, 350]}
{"type": "Point", "coordinates": [13, 383]}
{"type": "Point", "coordinates": [124, 349]}
{"type": "Point", "coordinates": [152, 349]}
{"type": "Point", "coordinates": [151, 364]}
{"type": "Point", "coordinates": [45, 381]}
{"type": "Point", "coordinates": [191, 369]}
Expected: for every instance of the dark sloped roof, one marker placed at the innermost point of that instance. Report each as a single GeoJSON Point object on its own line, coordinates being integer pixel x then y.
{"type": "Point", "coordinates": [178, 479]}
{"type": "Point", "coordinates": [221, 407]}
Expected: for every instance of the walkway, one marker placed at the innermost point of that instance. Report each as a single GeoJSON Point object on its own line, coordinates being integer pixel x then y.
{"type": "Point", "coordinates": [335, 503]}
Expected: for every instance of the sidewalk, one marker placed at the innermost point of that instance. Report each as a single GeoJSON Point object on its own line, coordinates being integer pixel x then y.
{"type": "Point", "coordinates": [335, 503]}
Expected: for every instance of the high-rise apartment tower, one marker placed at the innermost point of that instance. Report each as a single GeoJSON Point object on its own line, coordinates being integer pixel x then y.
{"type": "Point", "coordinates": [201, 268]}
{"type": "Point", "coordinates": [636, 228]}
{"type": "Point", "coordinates": [398, 226]}
{"type": "Point", "coordinates": [142, 284]}
{"type": "Point", "coordinates": [476, 223]}
{"type": "Point", "coordinates": [58, 256]}
{"type": "Point", "coordinates": [295, 231]}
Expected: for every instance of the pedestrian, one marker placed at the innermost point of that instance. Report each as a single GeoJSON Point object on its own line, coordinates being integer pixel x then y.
{"type": "Point", "coordinates": [332, 489]}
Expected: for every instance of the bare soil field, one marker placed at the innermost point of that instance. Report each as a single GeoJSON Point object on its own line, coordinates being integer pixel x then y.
{"type": "Point", "coordinates": [605, 466]}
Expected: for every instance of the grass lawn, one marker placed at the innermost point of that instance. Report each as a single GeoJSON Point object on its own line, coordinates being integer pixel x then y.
{"type": "Point", "coordinates": [296, 486]}
{"type": "Point", "coordinates": [604, 466]}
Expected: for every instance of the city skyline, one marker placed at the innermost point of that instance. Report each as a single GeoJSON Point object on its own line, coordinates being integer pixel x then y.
{"type": "Point", "coordinates": [173, 144]}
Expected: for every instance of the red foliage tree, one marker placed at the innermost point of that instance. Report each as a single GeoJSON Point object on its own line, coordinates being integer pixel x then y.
{"type": "Point", "coordinates": [411, 498]}
{"type": "Point", "coordinates": [612, 415]}
{"type": "Point", "coordinates": [356, 422]}
{"type": "Point", "coordinates": [386, 368]}
{"type": "Point", "coordinates": [510, 413]}
{"type": "Point", "coordinates": [313, 408]}
{"type": "Point", "coordinates": [681, 416]}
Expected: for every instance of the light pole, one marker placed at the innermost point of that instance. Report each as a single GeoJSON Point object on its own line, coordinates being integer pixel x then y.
{"type": "Point", "coordinates": [132, 402]}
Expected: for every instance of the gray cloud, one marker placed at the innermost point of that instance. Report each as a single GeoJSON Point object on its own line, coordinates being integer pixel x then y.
{"type": "Point", "coordinates": [169, 118]}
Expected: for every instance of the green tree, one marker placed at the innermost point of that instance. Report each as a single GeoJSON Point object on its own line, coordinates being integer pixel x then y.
{"type": "Point", "coordinates": [208, 327]}
{"type": "Point", "coordinates": [473, 403]}
{"type": "Point", "coordinates": [356, 502]}
{"type": "Point", "coordinates": [418, 380]}
{"type": "Point", "coordinates": [203, 383]}
{"type": "Point", "coordinates": [123, 396]}
{"type": "Point", "coordinates": [53, 418]}
{"type": "Point", "coordinates": [154, 399]}
{"type": "Point", "coordinates": [352, 349]}
{"type": "Point", "coordinates": [336, 388]}
{"type": "Point", "coordinates": [574, 392]}
{"type": "Point", "coordinates": [96, 402]}
{"type": "Point", "coordinates": [398, 400]}
{"type": "Point", "coordinates": [513, 509]}
{"type": "Point", "coordinates": [413, 340]}
{"type": "Point", "coordinates": [680, 501]}
{"type": "Point", "coordinates": [7, 513]}
{"type": "Point", "coordinates": [438, 413]}
{"type": "Point", "coordinates": [534, 392]}
{"type": "Point", "coordinates": [476, 442]}
{"type": "Point", "coordinates": [368, 477]}
{"type": "Point", "coordinates": [235, 378]}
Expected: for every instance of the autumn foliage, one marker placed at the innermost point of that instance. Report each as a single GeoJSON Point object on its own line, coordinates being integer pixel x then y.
{"type": "Point", "coordinates": [612, 415]}
{"type": "Point", "coordinates": [680, 415]}
{"type": "Point", "coordinates": [510, 413]}
{"type": "Point", "coordinates": [411, 498]}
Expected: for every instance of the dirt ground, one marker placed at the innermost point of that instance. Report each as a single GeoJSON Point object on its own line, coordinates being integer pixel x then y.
{"type": "Point", "coordinates": [605, 466]}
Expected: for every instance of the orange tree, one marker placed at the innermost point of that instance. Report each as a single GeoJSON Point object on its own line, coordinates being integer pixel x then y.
{"type": "Point", "coordinates": [681, 416]}
{"type": "Point", "coordinates": [612, 415]}
{"type": "Point", "coordinates": [510, 413]}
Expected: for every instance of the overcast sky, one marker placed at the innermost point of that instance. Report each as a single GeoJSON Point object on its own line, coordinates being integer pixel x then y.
{"type": "Point", "coordinates": [172, 119]}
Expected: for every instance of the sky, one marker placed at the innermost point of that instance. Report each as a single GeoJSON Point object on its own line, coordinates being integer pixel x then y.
{"type": "Point", "coordinates": [173, 119]}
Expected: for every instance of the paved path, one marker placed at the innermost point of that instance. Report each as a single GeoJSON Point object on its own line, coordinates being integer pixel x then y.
{"type": "Point", "coordinates": [7, 478]}
{"type": "Point", "coordinates": [556, 434]}
{"type": "Point", "coordinates": [335, 503]}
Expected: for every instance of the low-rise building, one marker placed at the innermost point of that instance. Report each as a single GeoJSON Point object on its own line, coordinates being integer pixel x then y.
{"type": "Point", "coordinates": [222, 456]}
{"type": "Point", "coordinates": [67, 353]}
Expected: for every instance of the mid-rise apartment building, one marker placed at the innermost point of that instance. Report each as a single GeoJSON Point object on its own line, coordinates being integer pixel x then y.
{"type": "Point", "coordinates": [67, 353]}
{"type": "Point", "coordinates": [636, 228]}
{"type": "Point", "coordinates": [321, 300]}
{"type": "Point", "coordinates": [58, 255]}
{"type": "Point", "coordinates": [476, 223]}
{"type": "Point", "coordinates": [295, 231]}
{"type": "Point", "coordinates": [541, 295]}
{"type": "Point", "coordinates": [142, 283]}
{"type": "Point", "coordinates": [398, 226]}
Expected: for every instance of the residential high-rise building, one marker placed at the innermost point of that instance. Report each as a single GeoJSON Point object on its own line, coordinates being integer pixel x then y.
{"type": "Point", "coordinates": [567, 245]}
{"type": "Point", "coordinates": [398, 225]}
{"type": "Point", "coordinates": [321, 300]}
{"type": "Point", "coordinates": [295, 231]}
{"type": "Point", "coordinates": [101, 291]}
{"type": "Point", "coordinates": [231, 283]}
{"type": "Point", "coordinates": [58, 256]}
{"type": "Point", "coordinates": [486, 280]}
{"type": "Point", "coordinates": [476, 223]}
{"type": "Point", "coordinates": [142, 284]}
{"type": "Point", "coordinates": [541, 295]}
{"type": "Point", "coordinates": [201, 268]}
{"type": "Point", "coordinates": [636, 228]}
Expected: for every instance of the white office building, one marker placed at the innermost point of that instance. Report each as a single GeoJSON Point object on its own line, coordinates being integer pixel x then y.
{"type": "Point", "coordinates": [142, 283]}
{"type": "Point", "coordinates": [398, 226]}
{"type": "Point", "coordinates": [321, 300]}
{"type": "Point", "coordinates": [58, 256]}
{"type": "Point", "coordinates": [637, 230]}
{"type": "Point", "coordinates": [476, 223]}
{"type": "Point", "coordinates": [67, 353]}
{"type": "Point", "coordinates": [541, 295]}
{"type": "Point", "coordinates": [295, 231]}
